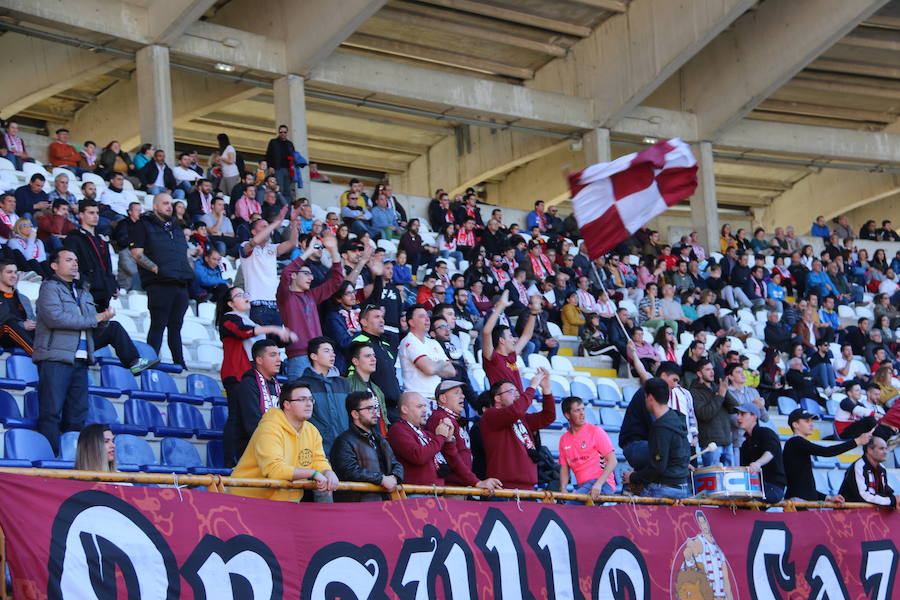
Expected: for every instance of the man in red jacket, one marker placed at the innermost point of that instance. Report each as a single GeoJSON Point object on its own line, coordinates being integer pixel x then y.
{"type": "Point", "coordinates": [458, 451]}
{"type": "Point", "coordinates": [508, 432]}
{"type": "Point", "coordinates": [417, 449]}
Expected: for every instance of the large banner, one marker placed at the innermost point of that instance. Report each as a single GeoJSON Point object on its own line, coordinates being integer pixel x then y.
{"type": "Point", "coordinates": [68, 539]}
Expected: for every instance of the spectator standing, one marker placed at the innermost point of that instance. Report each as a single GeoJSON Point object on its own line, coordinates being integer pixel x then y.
{"type": "Point", "coordinates": [362, 365]}
{"type": "Point", "coordinates": [160, 251]}
{"type": "Point", "coordinates": [585, 450]}
{"type": "Point", "coordinates": [286, 446]}
{"type": "Point", "coordinates": [63, 348]}
{"type": "Point", "coordinates": [329, 389]}
{"type": "Point", "coordinates": [259, 266]}
{"type": "Point", "coordinates": [231, 174]}
{"type": "Point", "coordinates": [713, 408]}
{"type": "Point", "coordinates": [508, 431]}
{"type": "Point", "coordinates": [458, 450]}
{"type": "Point", "coordinates": [298, 302]}
{"type": "Point", "coordinates": [422, 359]}
{"type": "Point", "coordinates": [500, 349]}
{"type": "Point", "coordinates": [371, 319]}
{"type": "Point", "coordinates": [16, 314]}
{"type": "Point", "coordinates": [361, 453]}
{"type": "Point", "coordinates": [417, 252]}
{"type": "Point", "coordinates": [127, 276]}
{"type": "Point", "coordinates": [278, 154]}
{"type": "Point", "coordinates": [417, 448]}
{"type": "Point", "coordinates": [866, 480]}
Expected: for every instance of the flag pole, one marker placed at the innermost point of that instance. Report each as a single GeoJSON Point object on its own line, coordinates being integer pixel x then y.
{"type": "Point", "coordinates": [603, 287]}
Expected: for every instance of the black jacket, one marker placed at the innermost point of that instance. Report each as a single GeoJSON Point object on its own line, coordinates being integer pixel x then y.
{"type": "Point", "coordinates": [94, 264]}
{"type": "Point", "coordinates": [195, 204]}
{"type": "Point", "coordinates": [777, 336]}
{"type": "Point", "coordinates": [249, 410]}
{"type": "Point", "coordinates": [164, 244]}
{"type": "Point", "coordinates": [636, 422]}
{"type": "Point", "coordinates": [865, 483]}
{"type": "Point", "coordinates": [150, 172]}
{"type": "Point", "coordinates": [669, 452]}
{"type": "Point", "coordinates": [366, 457]}
{"type": "Point", "coordinates": [385, 375]}
{"type": "Point", "coordinates": [760, 441]}
{"type": "Point", "coordinates": [277, 153]}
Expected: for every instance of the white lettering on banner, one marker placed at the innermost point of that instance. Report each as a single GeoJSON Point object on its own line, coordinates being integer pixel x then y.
{"type": "Point", "coordinates": [824, 578]}
{"type": "Point", "coordinates": [879, 567]}
{"type": "Point", "coordinates": [767, 561]}
{"type": "Point", "coordinates": [503, 551]}
{"type": "Point", "coordinates": [621, 573]}
{"type": "Point", "coordinates": [101, 546]}
{"type": "Point", "coordinates": [555, 548]}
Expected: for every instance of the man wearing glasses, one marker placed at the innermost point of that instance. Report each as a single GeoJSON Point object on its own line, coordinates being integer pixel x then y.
{"type": "Point", "coordinates": [361, 453]}
{"type": "Point", "coordinates": [286, 447]}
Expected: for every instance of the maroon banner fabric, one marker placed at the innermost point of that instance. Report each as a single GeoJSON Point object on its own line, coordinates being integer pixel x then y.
{"type": "Point", "coordinates": [68, 539]}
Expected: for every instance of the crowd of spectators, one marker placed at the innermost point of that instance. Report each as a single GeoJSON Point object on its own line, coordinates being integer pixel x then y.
{"type": "Point", "coordinates": [379, 340]}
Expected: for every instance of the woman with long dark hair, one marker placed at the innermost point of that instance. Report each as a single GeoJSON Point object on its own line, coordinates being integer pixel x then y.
{"type": "Point", "coordinates": [238, 333]}
{"type": "Point", "coordinates": [231, 173]}
{"type": "Point", "coordinates": [96, 450]}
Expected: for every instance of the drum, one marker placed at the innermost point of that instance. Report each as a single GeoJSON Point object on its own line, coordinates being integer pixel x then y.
{"type": "Point", "coordinates": [727, 483]}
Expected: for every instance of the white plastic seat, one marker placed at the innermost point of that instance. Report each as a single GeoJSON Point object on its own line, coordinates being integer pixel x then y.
{"type": "Point", "coordinates": [554, 330]}
{"type": "Point", "coordinates": [137, 302]}
{"type": "Point", "coordinates": [846, 312]}
{"type": "Point", "coordinates": [538, 361]}
{"type": "Point", "coordinates": [63, 171]}
{"type": "Point", "coordinates": [754, 345]}
{"type": "Point", "coordinates": [562, 365]}
{"type": "Point", "coordinates": [865, 311]}
{"type": "Point", "coordinates": [6, 165]}
{"type": "Point", "coordinates": [31, 168]}
{"type": "Point", "coordinates": [206, 311]}
{"type": "Point", "coordinates": [192, 331]}
{"type": "Point", "coordinates": [736, 343]}
{"type": "Point", "coordinates": [630, 305]}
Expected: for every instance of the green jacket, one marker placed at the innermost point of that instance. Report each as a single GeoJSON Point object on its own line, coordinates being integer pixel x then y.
{"type": "Point", "coordinates": [358, 385]}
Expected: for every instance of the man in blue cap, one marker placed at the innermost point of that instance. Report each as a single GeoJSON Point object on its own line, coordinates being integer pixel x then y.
{"type": "Point", "coordinates": [761, 451]}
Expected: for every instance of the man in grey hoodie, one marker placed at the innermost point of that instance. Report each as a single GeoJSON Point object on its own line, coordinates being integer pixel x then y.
{"type": "Point", "coordinates": [64, 347]}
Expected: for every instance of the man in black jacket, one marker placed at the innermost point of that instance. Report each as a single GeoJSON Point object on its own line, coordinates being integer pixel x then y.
{"type": "Point", "coordinates": [666, 475]}
{"type": "Point", "coordinates": [258, 391]}
{"type": "Point", "coordinates": [776, 334]}
{"type": "Point", "coordinates": [278, 153]}
{"type": "Point", "coordinates": [713, 407]}
{"type": "Point", "coordinates": [866, 480]}
{"type": "Point", "coordinates": [16, 314]}
{"type": "Point", "coordinates": [761, 452]}
{"type": "Point", "coordinates": [160, 250]}
{"type": "Point", "coordinates": [158, 178]}
{"type": "Point", "coordinates": [371, 318]}
{"type": "Point", "coordinates": [362, 454]}
{"type": "Point", "coordinates": [95, 269]}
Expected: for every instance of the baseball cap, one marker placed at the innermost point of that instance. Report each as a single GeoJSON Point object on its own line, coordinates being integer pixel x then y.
{"type": "Point", "coordinates": [749, 407]}
{"type": "Point", "coordinates": [446, 386]}
{"type": "Point", "coordinates": [797, 414]}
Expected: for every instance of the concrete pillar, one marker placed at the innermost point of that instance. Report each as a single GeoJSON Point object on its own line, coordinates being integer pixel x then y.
{"type": "Point", "coordinates": [704, 211]}
{"type": "Point", "coordinates": [596, 146]}
{"type": "Point", "coordinates": [290, 110]}
{"type": "Point", "coordinates": [154, 89]}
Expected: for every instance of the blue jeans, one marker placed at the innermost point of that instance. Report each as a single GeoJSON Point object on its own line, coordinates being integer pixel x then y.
{"type": "Point", "coordinates": [725, 455]}
{"type": "Point", "coordinates": [294, 367]}
{"type": "Point", "coordinates": [824, 375]}
{"type": "Point", "coordinates": [359, 227]}
{"type": "Point", "coordinates": [454, 254]}
{"type": "Point", "coordinates": [284, 181]}
{"type": "Point", "coordinates": [637, 454]}
{"type": "Point", "coordinates": [177, 193]}
{"type": "Point", "coordinates": [773, 493]}
{"type": "Point", "coordinates": [62, 398]}
{"type": "Point", "coordinates": [658, 490]}
{"type": "Point", "coordinates": [585, 488]}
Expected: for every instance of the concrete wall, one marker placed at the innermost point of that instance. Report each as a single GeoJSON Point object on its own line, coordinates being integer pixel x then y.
{"type": "Point", "coordinates": [889, 208]}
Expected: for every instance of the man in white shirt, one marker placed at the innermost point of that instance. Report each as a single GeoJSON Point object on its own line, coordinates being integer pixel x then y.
{"type": "Point", "coordinates": [422, 360]}
{"type": "Point", "coordinates": [218, 226]}
{"type": "Point", "coordinates": [259, 266]}
{"type": "Point", "coordinates": [586, 301]}
{"type": "Point", "coordinates": [115, 197]}
{"type": "Point", "coordinates": [185, 176]}
{"type": "Point", "coordinates": [8, 217]}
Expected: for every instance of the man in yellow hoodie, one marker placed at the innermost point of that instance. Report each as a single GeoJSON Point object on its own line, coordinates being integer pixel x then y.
{"type": "Point", "coordinates": [284, 446]}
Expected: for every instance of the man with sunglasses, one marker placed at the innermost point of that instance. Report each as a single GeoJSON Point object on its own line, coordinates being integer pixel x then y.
{"type": "Point", "coordinates": [286, 446]}
{"type": "Point", "coordinates": [278, 153]}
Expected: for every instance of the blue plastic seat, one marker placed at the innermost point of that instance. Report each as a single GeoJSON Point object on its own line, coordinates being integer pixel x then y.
{"type": "Point", "coordinates": [160, 382]}
{"type": "Point", "coordinates": [181, 453]}
{"type": "Point", "coordinates": [33, 447]}
{"type": "Point", "coordinates": [582, 391]}
{"type": "Point", "coordinates": [825, 461]}
{"type": "Point", "coordinates": [628, 392]}
{"type": "Point", "coordinates": [558, 391]}
{"type": "Point", "coordinates": [101, 410]}
{"type": "Point", "coordinates": [134, 454]}
{"type": "Point", "coordinates": [611, 419]}
{"type": "Point", "coordinates": [10, 416]}
{"type": "Point", "coordinates": [217, 417]}
{"type": "Point", "coordinates": [786, 405]}
{"type": "Point", "coordinates": [591, 416]}
{"type": "Point", "coordinates": [32, 408]}
{"type": "Point", "coordinates": [560, 422]}
{"type": "Point", "coordinates": [145, 350]}
{"type": "Point", "coordinates": [206, 387]}
{"type": "Point", "coordinates": [215, 455]}
{"type": "Point", "coordinates": [813, 408]}
{"type": "Point", "coordinates": [105, 356]}
{"type": "Point", "coordinates": [20, 373]}
{"type": "Point", "coordinates": [68, 444]}
{"type": "Point", "coordinates": [115, 381]}
{"type": "Point", "coordinates": [143, 413]}
{"type": "Point", "coordinates": [607, 395]}
{"type": "Point", "coordinates": [835, 479]}
{"type": "Point", "coordinates": [188, 417]}
{"type": "Point", "coordinates": [821, 478]}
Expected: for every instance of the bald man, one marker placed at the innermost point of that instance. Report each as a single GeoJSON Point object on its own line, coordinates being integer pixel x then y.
{"type": "Point", "coordinates": [417, 449]}
{"type": "Point", "coordinates": [160, 250]}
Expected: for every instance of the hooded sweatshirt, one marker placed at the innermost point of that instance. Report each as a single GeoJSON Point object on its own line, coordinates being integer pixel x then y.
{"type": "Point", "coordinates": [669, 452]}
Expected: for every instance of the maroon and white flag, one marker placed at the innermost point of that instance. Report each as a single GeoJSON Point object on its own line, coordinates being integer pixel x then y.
{"type": "Point", "coordinates": [613, 200]}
